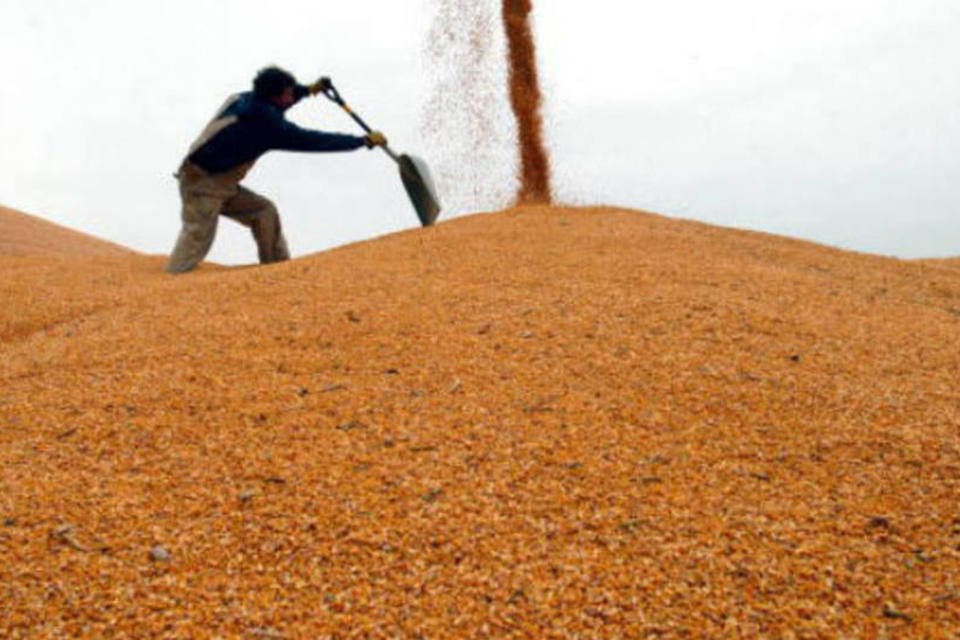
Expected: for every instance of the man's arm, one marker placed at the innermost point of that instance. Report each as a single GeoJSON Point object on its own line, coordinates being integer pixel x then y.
{"type": "Point", "coordinates": [300, 92]}
{"type": "Point", "coordinates": [290, 137]}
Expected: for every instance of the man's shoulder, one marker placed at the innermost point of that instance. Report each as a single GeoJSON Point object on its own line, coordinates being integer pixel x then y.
{"type": "Point", "coordinates": [247, 106]}
{"type": "Point", "coordinates": [237, 104]}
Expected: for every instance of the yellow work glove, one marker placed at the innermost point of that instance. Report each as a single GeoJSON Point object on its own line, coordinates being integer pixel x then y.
{"type": "Point", "coordinates": [320, 86]}
{"type": "Point", "coordinates": [375, 139]}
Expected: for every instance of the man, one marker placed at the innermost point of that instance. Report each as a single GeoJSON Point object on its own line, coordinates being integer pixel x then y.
{"type": "Point", "coordinates": [247, 126]}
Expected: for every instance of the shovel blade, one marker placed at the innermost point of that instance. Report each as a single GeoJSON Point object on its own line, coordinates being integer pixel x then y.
{"type": "Point", "coordinates": [419, 185]}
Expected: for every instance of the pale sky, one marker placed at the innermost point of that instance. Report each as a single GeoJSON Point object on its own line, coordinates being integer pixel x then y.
{"type": "Point", "coordinates": [832, 120]}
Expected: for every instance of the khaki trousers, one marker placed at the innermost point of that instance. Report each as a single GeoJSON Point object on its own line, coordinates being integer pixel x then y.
{"type": "Point", "coordinates": [205, 198]}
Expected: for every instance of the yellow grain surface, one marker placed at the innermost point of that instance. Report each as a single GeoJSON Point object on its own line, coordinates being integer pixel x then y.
{"type": "Point", "coordinates": [23, 234]}
{"type": "Point", "coordinates": [544, 423]}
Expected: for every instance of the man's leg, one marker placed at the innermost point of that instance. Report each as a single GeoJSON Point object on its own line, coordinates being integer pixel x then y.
{"type": "Point", "coordinates": [199, 215]}
{"type": "Point", "coordinates": [261, 215]}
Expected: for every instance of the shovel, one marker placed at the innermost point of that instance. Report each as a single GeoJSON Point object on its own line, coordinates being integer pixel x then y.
{"type": "Point", "coordinates": [413, 171]}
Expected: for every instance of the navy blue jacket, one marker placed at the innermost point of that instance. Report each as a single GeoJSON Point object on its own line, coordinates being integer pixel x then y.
{"type": "Point", "coordinates": [245, 128]}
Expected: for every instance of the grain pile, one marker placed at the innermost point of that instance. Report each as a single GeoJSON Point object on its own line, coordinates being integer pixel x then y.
{"type": "Point", "coordinates": [542, 423]}
{"type": "Point", "coordinates": [23, 234]}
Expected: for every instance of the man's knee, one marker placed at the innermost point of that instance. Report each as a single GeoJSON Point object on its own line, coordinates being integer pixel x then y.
{"type": "Point", "coordinates": [267, 219]}
{"type": "Point", "coordinates": [270, 210]}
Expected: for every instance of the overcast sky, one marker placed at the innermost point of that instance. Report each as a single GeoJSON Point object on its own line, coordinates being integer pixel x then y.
{"type": "Point", "coordinates": [833, 120]}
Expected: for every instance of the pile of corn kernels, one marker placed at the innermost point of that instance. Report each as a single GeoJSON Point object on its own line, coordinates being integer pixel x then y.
{"type": "Point", "coordinates": [540, 423]}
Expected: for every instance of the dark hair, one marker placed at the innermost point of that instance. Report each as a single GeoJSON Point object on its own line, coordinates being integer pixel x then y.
{"type": "Point", "coordinates": [271, 82]}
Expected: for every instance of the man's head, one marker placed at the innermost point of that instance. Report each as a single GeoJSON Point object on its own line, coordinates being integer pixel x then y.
{"type": "Point", "coordinates": [275, 85]}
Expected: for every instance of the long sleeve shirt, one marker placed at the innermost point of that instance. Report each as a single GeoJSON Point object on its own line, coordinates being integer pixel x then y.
{"type": "Point", "coordinates": [246, 127]}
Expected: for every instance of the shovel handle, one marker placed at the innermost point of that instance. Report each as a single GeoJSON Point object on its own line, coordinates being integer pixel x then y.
{"type": "Point", "coordinates": [334, 96]}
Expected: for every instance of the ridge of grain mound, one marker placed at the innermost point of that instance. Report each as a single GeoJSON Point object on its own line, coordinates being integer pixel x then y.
{"type": "Point", "coordinates": [952, 263]}
{"type": "Point", "coordinates": [543, 423]}
{"type": "Point", "coordinates": [23, 234]}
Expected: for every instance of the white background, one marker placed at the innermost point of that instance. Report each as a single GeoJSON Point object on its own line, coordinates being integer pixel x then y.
{"type": "Point", "coordinates": [834, 120]}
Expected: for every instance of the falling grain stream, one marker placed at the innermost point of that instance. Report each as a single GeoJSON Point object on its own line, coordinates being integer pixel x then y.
{"type": "Point", "coordinates": [525, 99]}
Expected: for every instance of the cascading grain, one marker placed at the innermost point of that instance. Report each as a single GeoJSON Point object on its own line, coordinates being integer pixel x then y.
{"type": "Point", "coordinates": [525, 99]}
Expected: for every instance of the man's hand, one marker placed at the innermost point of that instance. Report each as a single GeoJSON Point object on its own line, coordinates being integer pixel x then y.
{"type": "Point", "coordinates": [375, 139]}
{"type": "Point", "coordinates": [320, 86]}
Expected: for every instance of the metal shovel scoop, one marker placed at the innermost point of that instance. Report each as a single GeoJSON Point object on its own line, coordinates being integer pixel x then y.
{"type": "Point", "coordinates": [413, 171]}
